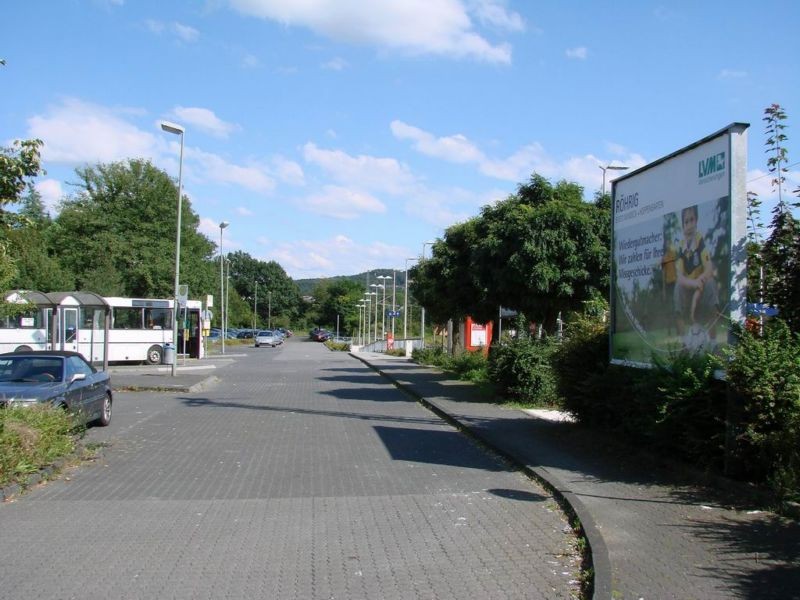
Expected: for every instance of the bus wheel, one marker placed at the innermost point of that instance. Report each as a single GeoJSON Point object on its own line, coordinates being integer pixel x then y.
{"type": "Point", "coordinates": [154, 354]}
{"type": "Point", "coordinates": [23, 349]}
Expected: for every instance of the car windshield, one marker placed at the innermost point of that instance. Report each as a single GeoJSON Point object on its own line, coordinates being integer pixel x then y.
{"type": "Point", "coordinates": [264, 333]}
{"type": "Point", "coordinates": [31, 368]}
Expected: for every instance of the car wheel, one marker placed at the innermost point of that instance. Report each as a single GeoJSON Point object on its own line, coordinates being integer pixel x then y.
{"type": "Point", "coordinates": [256, 345]}
{"type": "Point", "coordinates": [154, 355]}
{"type": "Point", "coordinates": [105, 415]}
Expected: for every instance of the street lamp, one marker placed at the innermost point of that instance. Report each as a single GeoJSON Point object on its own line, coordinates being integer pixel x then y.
{"type": "Point", "coordinates": [405, 304]}
{"type": "Point", "coordinates": [422, 308]}
{"type": "Point", "coordinates": [367, 313]}
{"type": "Point", "coordinates": [360, 335]}
{"type": "Point", "coordinates": [177, 130]}
{"type": "Point", "coordinates": [612, 168]}
{"type": "Point", "coordinates": [269, 309]}
{"type": "Point", "coordinates": [222, 226]}
{"type": "Point", "coordinates": [383, 315]}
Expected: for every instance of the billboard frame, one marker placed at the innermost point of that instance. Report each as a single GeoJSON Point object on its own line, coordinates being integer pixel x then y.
{"type": "Point", "coordinates": [732, 296]}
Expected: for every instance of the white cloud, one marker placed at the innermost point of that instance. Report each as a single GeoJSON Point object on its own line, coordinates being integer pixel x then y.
{"type": "Point", "coordinates": [244, 211]}
{"type": "Point", "coordinates": [335, 64]}
{"type": "Point", "coordinates": [76, 132]}
{"type": "Point", "coordinates": [441, 27]}
{"type": "Point", "coordinates": [288, 171]}
{"type": "Point", "coordinates": [579, 53]}
{"type": "Point", "coordinates": [52, 192]}
{"type": "Point", "coordinates": [250, 61]}
{"type": "Point", "coordinates": [456, 148]}
{"type": "Point", "coordinates": [731, 74]}
{"type": "Point", "coordinates": [491, 12]}
{"type": "Point", "coordinates": [186, 33]}
{"type": "Point", "coordinates": [205, 120]}
{"type": "Point", "coordinates": [342, 203]}
{"type": "Point", "coordinates": [211, 167]}
{"type": "Point", "coordinates": [154, 26]}
{"type": "Point", "coordinates": [365, 172]}
{"type": "Point", "coordinates": [334, 256]}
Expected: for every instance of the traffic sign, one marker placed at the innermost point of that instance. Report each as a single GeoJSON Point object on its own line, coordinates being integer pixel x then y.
{"type": "Point", "coordinates": [392, 314]}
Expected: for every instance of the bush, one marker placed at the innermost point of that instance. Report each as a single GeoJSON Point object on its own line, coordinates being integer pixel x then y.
{"type": "Point", "coordinates": [32, 438]}
{"type": "Point", "coordinates": [337, 346]}
{"type": "Point", "coordinates": [469, 366]}
{"type": "Point", "coordinates": [765, 375]}
{"type": "Point", "coordinates": [523, 371]}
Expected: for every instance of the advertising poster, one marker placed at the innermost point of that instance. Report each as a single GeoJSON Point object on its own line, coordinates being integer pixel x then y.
{"type": "Point", "coordinates": [677, 256]}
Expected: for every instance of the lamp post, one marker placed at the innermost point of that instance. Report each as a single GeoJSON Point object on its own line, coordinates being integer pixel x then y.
{"type": "Point", "coordinates": [384, 278]}
{"type": "Point", "coordinates": [269, 309]}
{"type": "Point", "coordinates": [405, 303]}
{"type": "Point", "coordinates": [227, 291]}
{"type": "Point", "coordinates": [612, 168]}
{"type": "Point", "coordinates": [422, 308]}
{"type": "Point", "coordinates": [177, 130]}
{"type": "Point", "coordinates": [222, 226]}
{"type": "Point", "coordinates": [360, 333]}
{"type": "Point", "coordinates": [394, 296]}
{"type": "Point", "coordinates": [255, 309]}
{"type": "Point", "coordinates": [367, 313]}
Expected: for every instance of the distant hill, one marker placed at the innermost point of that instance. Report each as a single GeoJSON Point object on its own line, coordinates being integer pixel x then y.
{"type": "Point", "coordinates": [307, 285]}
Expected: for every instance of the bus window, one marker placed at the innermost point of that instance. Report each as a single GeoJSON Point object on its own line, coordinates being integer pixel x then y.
{"type": "Point", "coordinates": [127, 318]}
{"type": "Point", "coordinates": [157, 318]}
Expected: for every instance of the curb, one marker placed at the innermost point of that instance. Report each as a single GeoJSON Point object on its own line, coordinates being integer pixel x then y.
{"type": "Point", "coordinates": [598, 560]}
{"type": "Point", "coordinates": [189, 389]}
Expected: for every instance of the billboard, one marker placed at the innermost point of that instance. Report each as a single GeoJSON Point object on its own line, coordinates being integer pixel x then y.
{"type": "Point", "coordinates": [678, 250]}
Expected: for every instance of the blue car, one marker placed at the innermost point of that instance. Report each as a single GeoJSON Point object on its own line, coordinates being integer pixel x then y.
{"type": "Point", "coordinates": [62, 379]}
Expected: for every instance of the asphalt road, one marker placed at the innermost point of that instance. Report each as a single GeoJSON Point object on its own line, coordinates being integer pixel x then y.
{"type": "Point", "coordinates": [302, 474]}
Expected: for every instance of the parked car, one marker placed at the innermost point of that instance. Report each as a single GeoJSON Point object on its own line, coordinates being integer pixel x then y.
{"type": "Point", "coordinates": [63, 379]}
{"type": "Point", "coordinates": [320, 335]}
{"type": "Point", "coordinates": [286, 332]}
{"type": "Point", "coordinates": [246, 334]}
{"type": "Point", "coordinates": [266, 337]}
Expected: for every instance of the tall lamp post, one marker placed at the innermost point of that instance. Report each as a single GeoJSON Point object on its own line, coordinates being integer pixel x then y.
{"type": "Point", "coordinates": [222, 226]}
{"type": "Point", "coordinates": [611, 168]}
{"type": "Point", "coordinates": [255, 309]}
{"type": "Point", "coordinates": [405, 303]}
{"type": "Point", "coordinates": [422, 308]}
{"type": "Point", "coordinates": [177, 130]}
{"type": "Point", "coordinates": [269, 309]}
{"type": "Point", "coordinates": [385, 279]}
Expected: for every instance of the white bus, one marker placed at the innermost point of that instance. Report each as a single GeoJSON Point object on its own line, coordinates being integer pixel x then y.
{"type": "Point", "coordinates": [102, 329]}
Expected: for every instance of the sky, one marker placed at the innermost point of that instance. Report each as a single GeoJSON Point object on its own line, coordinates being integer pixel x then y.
{"type": "Point", "coordinates": [338, 136]}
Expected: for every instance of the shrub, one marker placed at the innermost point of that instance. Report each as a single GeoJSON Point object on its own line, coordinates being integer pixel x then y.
{"type": "Point", "coordinates": [765, 374]}
{"type": "Point", "coordinates": [469, 366]}
{"type": "Point", "coordinates": [523, 371]}
{"type": "Point", "coordinates": [32, 438]}
{"type": "Point", "coordinates": [337, 346]}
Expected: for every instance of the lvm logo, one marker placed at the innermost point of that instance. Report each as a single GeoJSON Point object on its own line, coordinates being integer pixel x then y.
{"type": "Point", "coordinates": [711, 168]}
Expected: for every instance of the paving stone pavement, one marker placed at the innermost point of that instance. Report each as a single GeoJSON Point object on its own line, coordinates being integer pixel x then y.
{"type": "Point", "coordinates": [301, 474]}
{"type": "Point", "coordinates": [655, 532]}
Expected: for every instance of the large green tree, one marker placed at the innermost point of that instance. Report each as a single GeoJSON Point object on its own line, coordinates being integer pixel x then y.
{"type": "Point", "coordinates": [117, 233]}
{"type": "Point", "coordinates": [337, 297]}
{"type": "Point", "coordinates": [276, 292]}
{"type": "Point", "coordinates": [19, 165]}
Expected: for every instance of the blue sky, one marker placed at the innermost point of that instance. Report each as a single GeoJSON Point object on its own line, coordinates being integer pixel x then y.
{"type": "Point", "coordinates": [338, 136]}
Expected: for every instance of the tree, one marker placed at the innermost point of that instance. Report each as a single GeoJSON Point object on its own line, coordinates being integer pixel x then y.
{"type": "Point", "coordinates": [781, 252]}
{"type": "Point", "coordinates": [544, 250]}
{"type": "Point", "coordinates": [276, 290]}
{"type": "Point", "coordinates": [19, 164]}
{"type": "Point", "coordinates": [338, 297]}
{"type": "Point", "coordinates": [124, 216]}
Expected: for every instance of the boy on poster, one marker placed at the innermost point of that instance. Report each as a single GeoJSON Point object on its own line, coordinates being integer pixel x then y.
{"type": "Point", "coordinates": [696, 293]}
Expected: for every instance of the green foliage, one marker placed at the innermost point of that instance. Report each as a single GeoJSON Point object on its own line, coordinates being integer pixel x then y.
{"type": "Point", "coordinates": [125, 218]}
{"type": "Point", "coordinates": [18, 165]}
{"type": "Point", "coordinates": [542, 251]}
{"type": "Point", "coordinates": [765, 374]}
{"type": "Point", "coordinates": [467, 366]}
{"type": "Point", "coordinates": [265, 286]}
{"type": "Point", "coordinates": [523, 371]}
{"type": "Point", "coordinates": [338, 297]}
{"type": "Point", "coordinates": [32, 438]}
{"type": "Point", "coordinates": [337, 346]}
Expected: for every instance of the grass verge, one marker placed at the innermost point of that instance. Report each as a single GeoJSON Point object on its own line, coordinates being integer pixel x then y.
{"type": "Point", "coordinates": [32, 438]}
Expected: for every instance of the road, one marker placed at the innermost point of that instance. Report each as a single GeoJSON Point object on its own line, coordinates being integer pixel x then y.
{"type": "Point", "coordinates": [303, 474]}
